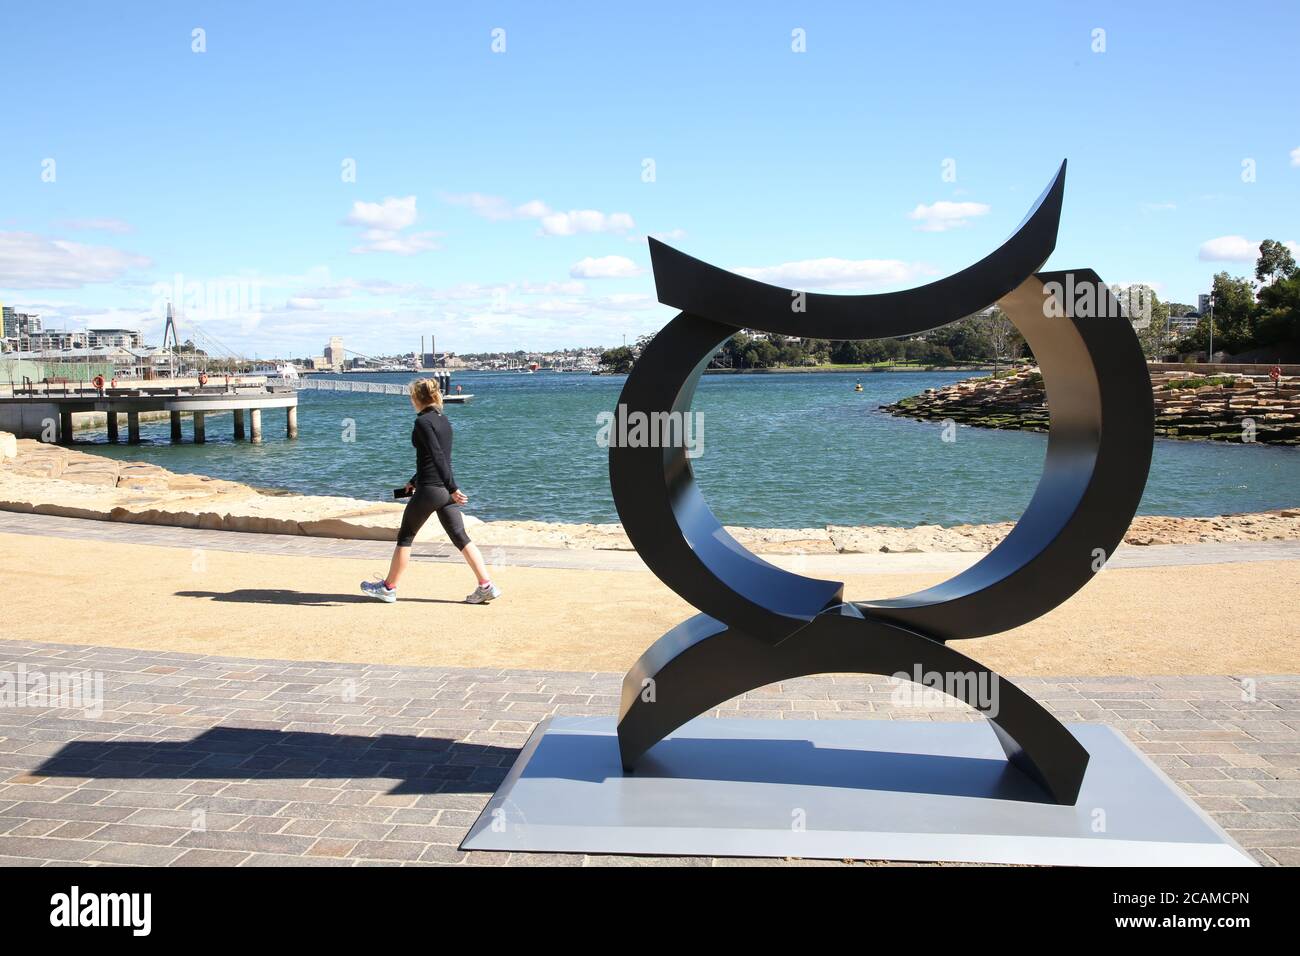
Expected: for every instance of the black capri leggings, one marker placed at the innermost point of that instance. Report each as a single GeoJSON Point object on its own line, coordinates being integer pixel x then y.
{"type": "Point", "coordinates": [426, 500]}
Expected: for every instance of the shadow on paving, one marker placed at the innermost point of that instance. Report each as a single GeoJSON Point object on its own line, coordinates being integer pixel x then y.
{"type": "Point", "coordinates": [286, 596]}
{"type": "Point", "coordinates": [419, 764]}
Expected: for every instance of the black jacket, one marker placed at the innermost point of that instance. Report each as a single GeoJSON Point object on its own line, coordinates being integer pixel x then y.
{"type": "Point", "coordinates": [431, 437]}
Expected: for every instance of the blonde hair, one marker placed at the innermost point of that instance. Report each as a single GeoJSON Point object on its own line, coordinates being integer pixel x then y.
{"type": "Point", "coordinates": [426, 392]}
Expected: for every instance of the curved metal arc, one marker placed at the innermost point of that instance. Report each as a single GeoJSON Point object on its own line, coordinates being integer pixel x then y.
{"type": "Point", "coordinates": [695, 286]}
{"type": "Point", "coordinates": [1098, 457]}
{"type": "Point", "coordinates": [702, 663]}
{"type": "Point", "coordinates": [667, 518]}
{"type": "Point", "coordinates": [780, 625]}
{"type": "Point", "coordinates": [1095, 469]}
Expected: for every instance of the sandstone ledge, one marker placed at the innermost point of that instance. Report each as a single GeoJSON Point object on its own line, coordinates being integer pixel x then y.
{"type": "Point", "coordinates": [55, 480]}
{"type": "Point", "coordinates": [1230, 408]}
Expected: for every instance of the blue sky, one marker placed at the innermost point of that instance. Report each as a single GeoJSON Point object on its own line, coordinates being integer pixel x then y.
{"type": "Point", "coordinates": [500, 198]}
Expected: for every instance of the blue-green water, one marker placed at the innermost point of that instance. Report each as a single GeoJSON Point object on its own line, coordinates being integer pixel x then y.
{"type": "Point", "coordinates": [784, 450]}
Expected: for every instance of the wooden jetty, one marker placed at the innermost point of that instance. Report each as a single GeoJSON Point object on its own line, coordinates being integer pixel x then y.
{"type": "Point", "coordinates": [45, 411]}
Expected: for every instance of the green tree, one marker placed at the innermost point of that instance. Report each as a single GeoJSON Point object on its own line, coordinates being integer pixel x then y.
{"type": "Point", "coordinates": [968, 339]}
{"type": "Point", "coordinates": [1234, 318]}
{"type": "Point", "coordinates": [1279, 312]}
{"type": "Point", "coordinates": [619, 359]}
{"type": "Point", "coordinates": [1005, 340]}
{"type": "Point", "coordinates": [1234, 308]}
{"type": "Point", "coordinates": [1275, 262]}
{"type": "Point", "coordinates": [1150, 318]}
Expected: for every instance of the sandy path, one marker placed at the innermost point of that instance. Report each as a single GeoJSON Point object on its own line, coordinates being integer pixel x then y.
{"type": "Point", "coordinates": [1205, 619]}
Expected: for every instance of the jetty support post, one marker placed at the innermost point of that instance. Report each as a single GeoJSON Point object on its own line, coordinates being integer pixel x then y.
{"type": "Point", "coordinates": [291, 416]}
{"type": "Point", "coordinates": [239, 424]}
{"type": "Point", "coordinates": [255, 425]}
{"type": "Point", "coordinates": [176, 427]}
{"type": "Point", "coordinates": [133, 428]}
{"type": "Point", "coordinates": [200, 429]}
{"type": "Point", "coordinates": [110, 419]}
{"type": "Point", "coordinates": [65, 426]}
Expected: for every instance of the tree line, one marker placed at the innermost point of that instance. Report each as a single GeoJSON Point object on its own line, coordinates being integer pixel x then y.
{"type": "Point", "coordinates": [986, 338]}
{"type": "Point", "coordinates": [1263, 314]}
{"type": "Point", "coordinates": [1247, 315]}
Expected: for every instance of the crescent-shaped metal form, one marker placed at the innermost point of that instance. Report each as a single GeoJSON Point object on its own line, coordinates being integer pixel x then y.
{"type": "Point", "coordinates": [762, 624]}
{"type": "Point", "coordinates": [702, 663]}
{"type": "Point", "coordinates": [701, 289]}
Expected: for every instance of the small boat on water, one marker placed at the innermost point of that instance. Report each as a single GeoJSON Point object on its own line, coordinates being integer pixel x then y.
{"type": "Point", "coordinates": [282, 373]}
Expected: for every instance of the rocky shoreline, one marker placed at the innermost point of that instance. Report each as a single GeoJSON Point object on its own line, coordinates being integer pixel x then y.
{"type": "Point", "coordinates": [1230, 408]}
{"type": "Point", "coordinates": [53, 479]}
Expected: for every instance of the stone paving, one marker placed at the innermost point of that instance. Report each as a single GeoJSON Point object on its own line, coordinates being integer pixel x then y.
{"type": "Point", "coordinates": [189, 760]}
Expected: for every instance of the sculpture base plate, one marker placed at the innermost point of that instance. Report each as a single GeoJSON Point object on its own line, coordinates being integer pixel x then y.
{"type": "Point", "coordinates": [840, 789]}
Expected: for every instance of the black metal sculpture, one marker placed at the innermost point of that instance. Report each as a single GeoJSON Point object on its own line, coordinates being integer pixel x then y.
{"type": "Point", "coordinates": [761, 624]}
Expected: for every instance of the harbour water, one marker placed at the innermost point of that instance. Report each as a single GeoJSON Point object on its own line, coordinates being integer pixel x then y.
{"type": "Point", "coordinates": [780, 450]}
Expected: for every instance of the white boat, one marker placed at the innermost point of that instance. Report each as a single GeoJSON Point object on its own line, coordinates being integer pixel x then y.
{"type": "Point", "coordinates": [283, 372]}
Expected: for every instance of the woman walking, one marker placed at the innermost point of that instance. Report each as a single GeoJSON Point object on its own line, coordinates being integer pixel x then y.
{"type": "Point", "coordinates": [433, 490]}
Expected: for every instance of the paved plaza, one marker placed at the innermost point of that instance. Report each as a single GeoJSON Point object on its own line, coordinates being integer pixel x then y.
{"type": "Point", "coordinates": [195, 760]}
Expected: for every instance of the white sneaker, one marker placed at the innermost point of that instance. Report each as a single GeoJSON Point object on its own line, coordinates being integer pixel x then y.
{"type": "Point", "coordinates": [483, 594]}
{"type": "Point", "coordinates": [380, 591]}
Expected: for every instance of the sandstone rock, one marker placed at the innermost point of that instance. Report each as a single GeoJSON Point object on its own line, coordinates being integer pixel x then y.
{"type": "Point", "coordinates": [1016, 401]}
{"type": "Point", "coordinates": [784, 540]}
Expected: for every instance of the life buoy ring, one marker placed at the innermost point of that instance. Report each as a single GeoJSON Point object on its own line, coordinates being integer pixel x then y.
{"type": "Point", "coordinates": [203, 378]}
{"type": "Point", "coordinates": [113, 384]}
{"type": "Point", "coordinates": [99, 382]}
{"type": "Point", "coordinates": [1275, 373]}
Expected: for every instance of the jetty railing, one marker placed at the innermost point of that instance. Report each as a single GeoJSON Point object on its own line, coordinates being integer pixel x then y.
{"type": "Point", "coordinates": [372, 388]}
{"type": "Point", "coordinates": [338, 385]}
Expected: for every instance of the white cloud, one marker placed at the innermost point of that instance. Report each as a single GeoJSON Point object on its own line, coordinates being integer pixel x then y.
{"type": "Point", "coordinates": [303, 303]}
{"type": "Point", "coordinates": [944, 215]}
{"type": "Point", "coordinates": [585, 220]}
{"type": "Point", "coordinates": [623, 301]}
{"type": "Point", "coordinates": [29, 261]}
{"type": "Point", "coordinates": [553, 222]}
{"type": "Point", "coordinates": [606, 267]}
{"type": "Point", "coordinates": [340, 290]}
{"type": "Point", "coordinates": [672, 235]}
{"type": "Point", "coordinates": [1236, 249]}
{"type": "Point", "coordinates": [118, 226]}
{"type": "Point", "coordinates": [380, 240]}
{"type": "Point", "coordinates": [1229, 249]}
{"type": "Point", "coordinates": [390, 215]}
{"type": "Point", "coordinates": [836, 273]}
{"type": "Point", "coordinates": [1295, 156]}
{"type": "Point", "coordinates": [1159, 206]}
{"type": "Point", "coordinates": [489, 207]}
{"type": "Point", "coordinates": [384, 223]}
{"type": "Point", "coordinates": [568, 287]}
{"type": "Point", "coordinates": [385, 287]}
{"type": "Point", "coordinates": [556, 307]}
{"type": "Point", "coordinates": [533, 209]}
